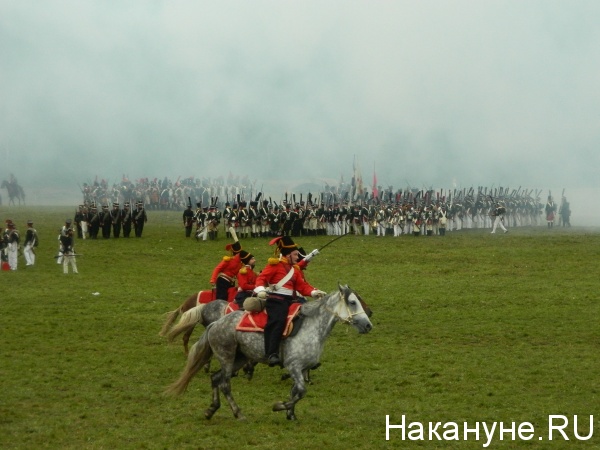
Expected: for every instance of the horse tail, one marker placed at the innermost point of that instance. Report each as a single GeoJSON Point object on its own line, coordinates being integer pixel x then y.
{"type": "Point", "coordinates": [200, 355]}
{"type": "Point", "coordinates": [188, 320]}
{"type": "Point", "coordinates": [170, 319]}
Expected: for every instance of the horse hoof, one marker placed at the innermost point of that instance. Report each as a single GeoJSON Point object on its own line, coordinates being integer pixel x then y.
{"type": "Point", "coordinates": [279, 406]}
{"type": "Point", "coordinates": [241, 417]}
{"type": "Point", "coordinates": [208, 414]}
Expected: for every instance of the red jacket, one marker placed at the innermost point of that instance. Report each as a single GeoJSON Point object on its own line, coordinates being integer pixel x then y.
{"type": "Point", "coordinates": [274, 272]}
{"type": "Point", "coordinates": [246, 278]}
{"type": "Point", "coordinates": [230, 266]}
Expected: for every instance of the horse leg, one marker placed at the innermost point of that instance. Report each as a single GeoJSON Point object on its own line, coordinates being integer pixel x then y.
{"type": "Point", "coordinates": [225, 385]}
{"type": "Point", "coordinates": [297, 393]}
{"type": "Point", "coordinates": [216, 400]}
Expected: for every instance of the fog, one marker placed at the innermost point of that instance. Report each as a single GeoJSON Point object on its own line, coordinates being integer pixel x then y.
{"type": "Point", "coordinates": [428, 93]}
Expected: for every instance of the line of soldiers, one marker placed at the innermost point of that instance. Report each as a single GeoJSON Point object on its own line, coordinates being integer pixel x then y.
{"type": "Point", "coordinates": [426, 214]}
{"type": "Point", "coordinates": [91, 221]}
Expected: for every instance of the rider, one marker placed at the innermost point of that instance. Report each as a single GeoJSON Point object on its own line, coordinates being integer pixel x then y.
{"type": "Point", "coordinates": [246, 278]}
{"type": "Point", "coordinates": [224, 274]}
{"type": "Point", "coordinates": [278, 284]}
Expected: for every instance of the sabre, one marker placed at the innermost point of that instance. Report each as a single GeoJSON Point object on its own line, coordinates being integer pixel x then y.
{"type": "Point", "coordinates": [333, 240]}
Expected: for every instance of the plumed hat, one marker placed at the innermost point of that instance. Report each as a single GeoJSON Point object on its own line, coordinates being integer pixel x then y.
{"type": "Point", "coordinates": [285, 244]}
{"type": "Point", "coordinates": [234, 248]}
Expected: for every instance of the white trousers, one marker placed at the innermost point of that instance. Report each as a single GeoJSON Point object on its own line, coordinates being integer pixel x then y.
{"type": "Point", "coordinates": [29, 254]}
{"type": "Point", "coordinates": [68, 259]}
{"type": "Point", "coordinates": [12, 255]}
{"type": "Point", "coordinates": [497, 222]}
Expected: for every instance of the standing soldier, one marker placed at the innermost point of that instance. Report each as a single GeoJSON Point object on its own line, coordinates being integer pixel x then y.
{"type": "Point", "coordinates": [12, 242]}
{"type": "Point", "coordinates": [116, 218]}
{"type": "Point", "coordinates": [105, 222]}
{"type": "Point", "coordinates": [213, 218]}
{"type": "Point", "coordinates": [78, 219]}
{"type": "Point", "coordinates": [188, 220]}
{"type": "Point", "coordinates": [31, 241]}
{"type": "Point", "coordinates": [139, 219]}
{"type": "Point", "coordinates": [68, 258]}
{"type": "Point", "coordinates": [94, 224]}
{"type": "Point", "coordinates": [244, 220]}
{"type": "Point", "coordinates": [127, 219]}
{"type": "Point", "coordinates": [227, 212]}
{"type": "Point", "coordinates": [550, 211]}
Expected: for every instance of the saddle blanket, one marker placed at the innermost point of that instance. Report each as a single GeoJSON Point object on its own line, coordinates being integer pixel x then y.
{"type": "Point", "coordinates": [256, 321]}
{"type": "Point", "coordinates": [209, 296]}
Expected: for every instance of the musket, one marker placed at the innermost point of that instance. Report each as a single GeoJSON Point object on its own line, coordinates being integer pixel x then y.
{"type": "Point", "coordinates": [66, 255]}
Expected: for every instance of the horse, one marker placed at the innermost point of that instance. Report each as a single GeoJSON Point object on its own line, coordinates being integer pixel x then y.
{"type": "Point", "coordinates": [190, 314]}
{"type": "Point", "coordinates": [300, 352]}
{"type": "Point", "coordinates": [14, 191]}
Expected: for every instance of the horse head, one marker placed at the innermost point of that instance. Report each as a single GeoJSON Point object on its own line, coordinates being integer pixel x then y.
{"type": "Point", "coordinates": [349, 309]}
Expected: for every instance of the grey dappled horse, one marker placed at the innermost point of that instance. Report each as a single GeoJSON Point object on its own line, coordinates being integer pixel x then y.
{"type": "Point", "coordinates": [300, 352]}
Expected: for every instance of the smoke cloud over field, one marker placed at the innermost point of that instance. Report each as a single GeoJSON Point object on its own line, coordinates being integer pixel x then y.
{"type": "Point", "coordinates": [443, 94]}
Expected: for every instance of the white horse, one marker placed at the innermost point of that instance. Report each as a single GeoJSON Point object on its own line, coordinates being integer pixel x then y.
{"type": "Point", "coordinates": [300, 352]}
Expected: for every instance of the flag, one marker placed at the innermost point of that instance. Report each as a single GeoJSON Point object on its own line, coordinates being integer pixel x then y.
{"type": "Point", "coordinates": [375, 190]}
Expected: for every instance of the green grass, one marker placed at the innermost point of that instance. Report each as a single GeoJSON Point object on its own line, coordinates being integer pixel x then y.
{"type": "Point", "coordinates": [470, 327]}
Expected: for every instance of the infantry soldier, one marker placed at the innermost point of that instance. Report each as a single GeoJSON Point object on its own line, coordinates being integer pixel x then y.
{"type": "Point", "coordinates": [498, 213]}
{"type": "Point", "coordinates": [31, 241]}
{"type": "Point", "coordinates": [213, 219]}
{"type": "Point", "coordinates": [188, 220]}
{"type": "Point", "coordinates": [66, 242]}
{"type": "Point", "coordinates": [105, 222]}
{"type": "Point", "coordinates": [139, 219]}
{"type": "Point", "coordinates": [12, 244]}
{"type": "Point", "coordinates": [127, 219]}
{"type": "Point", "coordinates": [94, 224]}
{"type": "Point", "coordinates": [78, 219]}
{"type": "Point", "coordinates": [550, 211]}
{"type": "Point", "coordinates": [116, 217]}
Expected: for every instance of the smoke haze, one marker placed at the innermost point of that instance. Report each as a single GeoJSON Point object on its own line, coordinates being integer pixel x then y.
{"type": "Point", "coordinates": [443, 94]}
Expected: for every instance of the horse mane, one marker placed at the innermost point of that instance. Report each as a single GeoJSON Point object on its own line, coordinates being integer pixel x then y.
{"type": "Point", "coordinates": [311, 308]}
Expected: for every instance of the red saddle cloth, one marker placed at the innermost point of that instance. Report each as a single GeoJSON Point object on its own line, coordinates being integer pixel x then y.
{"type": "Point", "coordinates": [256, 321]}
{"type": "Point", "coordinates": [209, 296]}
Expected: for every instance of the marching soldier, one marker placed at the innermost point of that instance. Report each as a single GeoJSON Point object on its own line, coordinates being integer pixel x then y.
{"type": "Point", "coordinates": [498, 213]}
{"type": "Point", "coordinates": [31, 241]}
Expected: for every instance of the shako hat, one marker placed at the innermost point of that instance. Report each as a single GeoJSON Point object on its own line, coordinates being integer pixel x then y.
{"type": "Point", "coordinates": [234, 248]}
{"type": "Point", "coordinates": [285, 244]}
{"type": "Point", "coordinates": [245, 256]}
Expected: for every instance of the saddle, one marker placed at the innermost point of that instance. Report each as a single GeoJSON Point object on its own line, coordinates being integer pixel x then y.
{"type": "Point", "coordinates": [256, 321]}
{"type": "Point", "coordinates": [209, 296]}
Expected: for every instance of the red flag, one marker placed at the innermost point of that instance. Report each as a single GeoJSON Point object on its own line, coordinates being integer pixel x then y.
{"type": "Point", "coordinates": [375, 190]}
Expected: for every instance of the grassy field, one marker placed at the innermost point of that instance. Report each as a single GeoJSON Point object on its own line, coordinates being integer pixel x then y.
{"type": "Point", "coordinates": [468, 328]}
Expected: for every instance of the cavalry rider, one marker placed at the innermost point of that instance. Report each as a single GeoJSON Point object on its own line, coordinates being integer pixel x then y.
{"type": "Point", "coordinates": [225, 273]}
{"type": "Point", "coordinates": [246, 278]}
{"type": "Point", "coordinates": [278, 284]}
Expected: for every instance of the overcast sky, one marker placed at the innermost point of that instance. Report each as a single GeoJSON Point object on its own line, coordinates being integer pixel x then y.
{"type": "Point", "coordinates": [434, 93]}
